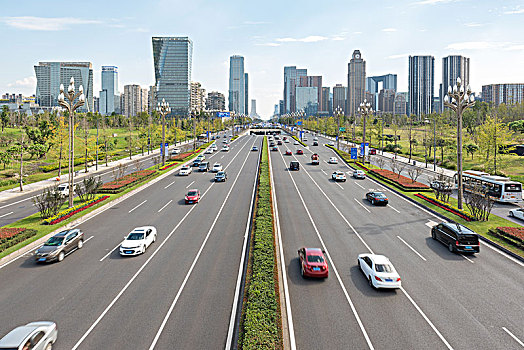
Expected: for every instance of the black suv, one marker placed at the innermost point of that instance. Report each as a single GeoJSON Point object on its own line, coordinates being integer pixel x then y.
{"type": "Point", "coordinates": [203, 166]}
{"type": "Point", "coordinates": [458, 238]}
{"type": "Point", "coordinates": [294, 165]}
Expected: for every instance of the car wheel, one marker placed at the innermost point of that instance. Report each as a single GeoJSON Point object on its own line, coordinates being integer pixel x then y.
{"type": "Point", "coordinates": [80, 244]}
{"type": "Point", "coordinates": [302, 270]}
{"type": "Point", "coordinates": [511, 214]}
{"type": "Point", "coordinates": [433, 235]}
{"type": "Point", "coordinates": [154, 238]}
{"type": "Point", "coordinates": [450, 248]}
{"type": "Point", "coordinates": [373, 201]}
{"type": "Point", "coordinates": [143, 249]}
{"type": "Point", "coordinates": [49, 346]}
{"type": "Point", "coordinates": [370, 282]}
{"type": "Point", "coordinates": [61, 256]}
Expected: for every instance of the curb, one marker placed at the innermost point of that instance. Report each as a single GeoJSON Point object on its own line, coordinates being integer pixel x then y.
{"type": "Point", "coordinates": [482, 238]}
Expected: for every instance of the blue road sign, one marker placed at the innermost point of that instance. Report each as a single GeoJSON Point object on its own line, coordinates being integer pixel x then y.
{"type": "Point", "coordinates": [223, 114]}
{"type": "Point", "coordinates": [353, 153]}
{"type": "Point", "coordinates": [299, 122]}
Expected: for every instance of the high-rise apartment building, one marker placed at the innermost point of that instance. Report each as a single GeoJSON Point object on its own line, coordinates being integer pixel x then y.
{"type": "Point", "coordinates": [356, 83]}
{"type": "Point", "coordinates": [246, 92]}
{"type": "Point", "coordinates": [216, 101]}
{"type": "Point", "coordinates": [307, 99]}
{"type": "Point", "coordinates": [135, 100]}
{"type": "Point", "coordinates": [237, 85]}
{"type": "Point", "coordinates": [281, 107]}
{"type": "Point", "coordinates": [421, 85]}
{"type": "Point", "coordinates": [508, 94]}
{"type": "Point", "coordinates": [453, 67]}
{"type": "Point", "coordinates": [386, 101]}
{"type": "Point", "coordinates": [109, 94]}
{"type": "Point", "coordinates": [173, 57]}
{"type": "Point", "coordinates": [401, 105]}
{"type": "Point", "coordinates": [198, 97]}
{"type": "Point", "coordinates": [339, 97]}
{"type": "Point", "coordinates": [324, 105]}
{"type": "Point", "coordinates": [291, 77]}
{"type": "Point", "coordinates": [312, 81]}
{"type": "Point", "coordinates": [49, 76]}
{"type": "Point", "coordinates": [151, 98]}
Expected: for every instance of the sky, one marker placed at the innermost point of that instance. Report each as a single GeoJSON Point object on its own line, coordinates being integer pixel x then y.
{"type": "Point", "coordinates": [270, 34]}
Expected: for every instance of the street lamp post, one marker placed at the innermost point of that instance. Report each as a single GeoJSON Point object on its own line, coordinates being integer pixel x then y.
{"type": "Point", "coordinates": [365, 110]}
{"type": "Point", "coordinates": [338, 111]}
{"type": "Point", "coordinates": [163, 109]}
{"type": "Point", "coordinates": [459, 99]}
{"type": "Point", "coordinates": [71, 106]}
{"type": "Point", "coordinates": [435, 143]}
{"type": "Point", "coordinates": [426, 121]}
{"type": "Point", "coordinates": [194, 112]}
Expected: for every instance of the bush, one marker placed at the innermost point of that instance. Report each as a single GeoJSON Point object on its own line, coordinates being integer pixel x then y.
{"type": "Point", "coordinates": [126, 181]}
{"type": "Point", "coordinates": [403, 182]}
{"type": "Point", "coordinates": [66, 214]}
{"type": "Point", "coordinates": [21, 235]}
{"type": "Point", "coordinates": [511, 235]}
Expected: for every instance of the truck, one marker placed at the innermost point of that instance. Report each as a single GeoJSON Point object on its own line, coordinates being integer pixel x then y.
{"type": "Point", "coordinates": [315, 159]}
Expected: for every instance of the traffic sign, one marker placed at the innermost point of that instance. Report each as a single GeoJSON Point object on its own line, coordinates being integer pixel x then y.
{"type": "Point", "coordinates": [353, 153]}
{"type": "Point", "coordinates": [342, 129]}
{"type": "Point", "coordinates": [299, 122]}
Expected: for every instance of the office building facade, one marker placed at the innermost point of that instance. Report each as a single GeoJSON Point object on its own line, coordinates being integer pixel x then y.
{"type": "Point", "coordinates": [453, 67]}
{"type": "Point", "coordinates": [216, 101]}
{"type": "Point", "coordinates": [401, 105]}
{"type": "Point", "coordinates": [307, 100]}
{"type": "Point", "coordinates": [421, 85]}
{"type": "Point", "coordinates": [325, 108]}
{"type": "Point", "coordinates": [339, 97]}
{"type": "Point", "coordinates": [135, 100]}
{"type": "Point", "coordinates": [109, 94]}
{"type": "Point", "coordinates": [508, 94]}
{"type": "Point", "coordinates": [49, 76]}
{"type": "Point", "coordinates": [386, 101]}
{"type": "Point", "coordinates": [356, 83]}
{"type": "Point", "coordinates": [312, 81]}
{"type": "Point", "coordinates": [246, 92]}
{"type": "Point", "coordinates": [291, 77]}
{"type": "Point", "coordinates": [173, 60]}
{"type": "Point", "coordinates": [237, 85]}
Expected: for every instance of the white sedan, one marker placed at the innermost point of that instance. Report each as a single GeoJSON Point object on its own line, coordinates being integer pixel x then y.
{"type": "Point", "coordinates": [216, 167]}
{"type": "Point", "coordinates": [225, 148]}
{"type": "Point", "coordinates": [296, 142]}
{"type": "Point", "coordinates": [379, 271]}
{"type": "Point", "coordinates": [209, 150]}
{"type": "Point", "coordinates": [137, 241]}
{"type": "Point", "coordinates": [286, 141]}
{"type": "Point", "coordinates": [185, 170]}
{"type": "Point", "coordinates": [333, 160]}
{"type": "Point", "coordinates": [331, 143]}
{"type": "Point", "coordinates": [338, 176]}
{"type": "Point", "coordinates": [517, 213]}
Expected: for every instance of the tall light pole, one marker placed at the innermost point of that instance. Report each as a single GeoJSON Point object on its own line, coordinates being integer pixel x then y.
{"type": "Point", "coordinates": [365, 110]}
{"type": "Point", "coordinates": [163, 109]}
{"type": "Point", "coordinates": [338, 111]}
{"type": "Point", "coordinates": [435, 143]}
{"type": "Point", "coordinates": [71, 106]}
{"type": "Point", "coordinates": [426, 121]}
{"type": "Point", "coordinates": [194, 112]}
{"type": "Point", "coordinates": [459, 99]}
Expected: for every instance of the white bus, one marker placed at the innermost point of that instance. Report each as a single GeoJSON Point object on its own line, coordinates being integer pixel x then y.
{"type": "Point", "coordinates": [500, 188]}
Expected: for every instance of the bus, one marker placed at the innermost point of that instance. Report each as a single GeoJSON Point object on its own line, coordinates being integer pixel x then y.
{"type": "Point", "coordinates": [499, 188]}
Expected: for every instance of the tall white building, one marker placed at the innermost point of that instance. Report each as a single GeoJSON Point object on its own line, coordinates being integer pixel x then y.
{"type": "Point", "coordinates": [135, 100]}
{"type": "Point", "coordinates": [198, 97]}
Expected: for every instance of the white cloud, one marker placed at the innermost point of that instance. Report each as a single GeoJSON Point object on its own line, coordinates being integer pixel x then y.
{"type": "Point", "coordinates": [473, 24]}
{"type": "Point", "coordinates": [28, 82]}
{"type": "Point", "coordinates": [269, 44]}
{"type": "Point", "coordinates": [45, 24]}
{"type": "Point", "coordinates": [389, 30]}
{"type": "Point", "coordinates": [308, 39]}
{"type": "Point", "coordinates": [431, 2]}
{"type": "Point", "coordinates": [394, 57]}
{"type": "Point", "coordinates": [514, 12]}
{"type": "Point", "coordinates": [357, 33]}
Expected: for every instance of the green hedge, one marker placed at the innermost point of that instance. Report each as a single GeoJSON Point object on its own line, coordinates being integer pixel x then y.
{"type": "Point", "coordinates": [28, 233]}
{"type": "Point", "coordinates": [261, 322]}
{"type": "Point", "coordinates": [297, 139]}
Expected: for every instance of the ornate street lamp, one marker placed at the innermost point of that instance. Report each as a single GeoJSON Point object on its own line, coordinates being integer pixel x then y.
{"type": "Point", "coordinates": [163, 109]}
{"type": "Point", "coordinates": [365, 110]}
{"type": "Point", "coordinates": [338, 112]}
{"type": "Point", "coordinates": [459, 99]}
{"type": "Point", "coordinates": [71, 106]}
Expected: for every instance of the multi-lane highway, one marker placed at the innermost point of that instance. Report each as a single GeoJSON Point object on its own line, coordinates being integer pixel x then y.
{"type": "Point", "coordinates": [181, 292]}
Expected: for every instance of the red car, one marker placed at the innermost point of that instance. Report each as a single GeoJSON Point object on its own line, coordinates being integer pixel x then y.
{"type": "Point", "coordinates": [299, 151]}
{"type": "Point", "coordinates": [313, 263]}
{"type": "Point", "coordinates": [193, 196]}
{"type": "Point", "coordinates": [288, 153]}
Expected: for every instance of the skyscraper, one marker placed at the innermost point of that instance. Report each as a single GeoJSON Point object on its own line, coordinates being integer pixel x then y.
{"type": "Point", "coordinates": [109, 94]}
{"type": "Point", "coordinates": [216, 101]}
{"type": "Point", "coordinates": [135, 100]}
{"type": "Point", "coordinates": [173, 58]}
{"type": "Point", "coordinates": [453, 67]}
{"type": "Point", "coordinates": [307, 99]}
{"type": "Point", "coordinates": [246, 93]}
{"type": "Point", "coordinates": [312, 81]}
{"type": "Point", "coordinates": [420, 85]}
{"type": "Point", "coordinates": [237, 85]}
{"type": "Point", "coordinates": [356, 83]}
{"type": "Point", "coordinates": [253, 112]}
{"type": "Point", "coordinates": [291, 77]}
{"type": "Point", "coordinates": [339, 97]}
{"type": "Point", "coordinates": [389, 82]}
{"type": "Point", "coordinates": [49, 76]}
{"type": "Point", "coordinates": [198, 97]}
{"type": "Point", "coordinates": [324, 106]}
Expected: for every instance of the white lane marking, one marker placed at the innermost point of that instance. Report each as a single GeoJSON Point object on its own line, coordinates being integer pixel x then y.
{"type": "Point", "coordinates": [22, 200]}
{"type": "Point", "coordinates": [87, 240]}
{"type": "Point", "coordinates": [6, 214]}
{"type": "Point", "coordinates": [389, 205]}
{"type": "Point", "coordinates": [169, 185]}
{"type": "Point", "coordinates": [109, 253]}
{"type": "Point", "coordinates": [137, 206]}
{"type": "Point", "coordinates": [348, 298]}
{"type": "Point", "coordinates": [431, 223]}
{"type": "Point", "coordinates": [339, 185]}
{"type": "Point", "coordinates": [518, 262]}
{"type": "Point", "coordinates": [164, 206]}
{"type": "Point", "coordinates": [468, 259]}
{"type": "Point", "coordinates": [362, 205]}
{"type": "Point", "coordinates": [230, 331]}
{"type": "Point", "coordinates": [513, 336]}
{"type": "Point", "coordinates": [171, 308]}
{"type": "Point", "coordinates": [117, 297]}
{"type": "Point", "coordinates": [323, 171]}
{"type": "Point", "coordinates": [221, 157]}
{"type": "Point", "coordinates": [413, 249]}
{"type": "Point", "coordinates": [359, 185]}
{"type": "Point", "coordinates": [426, 318]}
{"type": "Point", "coordinates": [190, 184]}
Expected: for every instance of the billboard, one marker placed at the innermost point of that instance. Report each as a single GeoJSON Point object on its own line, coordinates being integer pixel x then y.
{"type": "Point", "coordinates": [223, 115]}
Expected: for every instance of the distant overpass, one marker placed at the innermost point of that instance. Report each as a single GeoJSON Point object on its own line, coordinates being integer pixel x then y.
{"type": "Point", "coordinates": [265, 131]}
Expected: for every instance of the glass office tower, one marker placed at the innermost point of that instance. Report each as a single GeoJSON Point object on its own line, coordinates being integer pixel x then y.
{"type": "Point", "coordinates": [109, 96]}
{"type": "Point", "coordinates": [237, 85]}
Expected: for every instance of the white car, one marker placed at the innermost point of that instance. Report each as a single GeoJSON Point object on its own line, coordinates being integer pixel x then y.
{"type": "Point", "coordinates": [175, 151]}
{"type": "Point", "coordinates": [34, 335]}
{"type": "Point", "coordinates": [63, 189]}
{"type": "Point", "coordinates": [225, 148]}
{"type": "Point", "coordinates": [224, 141]}
{"type": "Point", "coordinates": [296, 142]}
{"type": "Point", "coordinates": [137, 241]}
{"type": "Point", "coordinates": [331, 143]}
{"type": "Point", "coordinates": [338, 176]}
{"type": "Point", "coordinates": [185, 170]}
{"type": "Point", "coordinates": [286, 141]}
{"type": "Point", "coordinates": [379, 271]}
{"type": "Point", "coordinates": [333, 160]}
{"type": "Point", "coordinates": [517, 213]}
{"type": "Point", "coordinates": [359, 174]}
{"type": "Point", "coordinates": [216, 167]}
{"type": "Point", "coordinates": [209, 150]}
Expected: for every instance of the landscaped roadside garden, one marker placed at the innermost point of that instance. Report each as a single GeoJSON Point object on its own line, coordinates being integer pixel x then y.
{"type": "Point", "coordinates": [495, 228]}
{"type": "Point", "coordinates": [261, 323]}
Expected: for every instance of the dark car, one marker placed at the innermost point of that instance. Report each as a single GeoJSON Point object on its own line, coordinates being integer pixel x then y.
{"type": "Point", "coordinates": [60, 245]}
{"type": "Point", "coordinates": [315, 143]}
{"type": "Point", "coordinates": [377, 198]}
{"type": "Point", "coordinates": [313, 263]}
{"type": "Point", "coordinates": [221, 176]}
{"type": "Point", "coordinates": [458, 238]}
{"type": "Point", "coordinates": [274, 148]}
{"type": "Point", "coordinates": [271, 144]}
{"type": "Point", "coordinates": [279, 143]}
{"type": "Point", "coordinates": [294, 165]}
{"type": "Point", "coordinates": [196, 162]}
{"type": "Point", "coordinates": [204, 166]}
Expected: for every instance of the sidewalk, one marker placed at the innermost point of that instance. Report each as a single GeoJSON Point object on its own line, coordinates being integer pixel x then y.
{"type": "Point", "coordinates": [36, 186]}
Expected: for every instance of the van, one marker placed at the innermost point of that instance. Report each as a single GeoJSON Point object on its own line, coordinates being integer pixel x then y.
{"type": "Point", "coordinates": [456, 237]}
{"type": "Point", "coordinates": [63, 189]}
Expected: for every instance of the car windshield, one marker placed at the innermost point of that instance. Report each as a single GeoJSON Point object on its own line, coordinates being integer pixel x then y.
{"type": "Point", "coordinates": [135, 236]}
{"type": "Point", "coordinates": [54, 241]}
{"type": "Point", "coordinates": [383, 268]}
{"type": "Point", "coordinates": [379, 195]}
{"type": "Point", "coordinates": [185, 167]}
{"type": "Point", "coordinates": [192, 193]}
{"type": "Point", "coordinates": [315, 259]}
{"type": "Point", "coordinates": [217, 165]}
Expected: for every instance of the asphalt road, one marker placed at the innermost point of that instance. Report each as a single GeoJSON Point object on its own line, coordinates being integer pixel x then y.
{"type": "Point", "coordinates": [179, 292]}
{"type": "Point", "coordinates": [447, 300]}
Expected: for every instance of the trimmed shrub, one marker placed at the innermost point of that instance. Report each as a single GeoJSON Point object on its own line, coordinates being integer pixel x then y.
{"type": "Point", "coordinates": [65, 214]}
{"type": "Point", "coordinates": [21, 235]}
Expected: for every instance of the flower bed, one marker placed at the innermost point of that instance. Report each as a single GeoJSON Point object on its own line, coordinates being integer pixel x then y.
{"type": "Point", "coordinates": [511, 235]}
{"type": "Point", "coordinates": [446, 206]}
{"type": "Point", "coordinates": [65, 214]}
{"type": "Point", "coordinates": [126, 181]}
{"type": "Point", "coordinates": [182, 156]}
{"type": "Point", "coordinates": [13, 236]}
{"type": "Point", "coordinates": [362, 166]}
{"type": "Point", "coordinates": [403, 182]}
{"type": "Point", "coordinates": [168, 166]}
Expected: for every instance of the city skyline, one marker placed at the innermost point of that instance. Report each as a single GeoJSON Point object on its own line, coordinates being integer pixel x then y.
{"type": "Point", "coordinates": [268, 39]}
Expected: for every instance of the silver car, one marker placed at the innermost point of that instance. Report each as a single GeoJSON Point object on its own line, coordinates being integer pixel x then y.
{"type": "Point", "coordinates": [35, 335]}
{"type": "Point", "coordinates": [60, 245]}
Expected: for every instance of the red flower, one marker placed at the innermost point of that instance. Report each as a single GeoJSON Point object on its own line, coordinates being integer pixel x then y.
{"type": "Point", "coordinates": [10, 232]}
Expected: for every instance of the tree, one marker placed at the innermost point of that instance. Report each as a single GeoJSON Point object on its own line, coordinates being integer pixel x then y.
{"type": "Point", "coordinates": [414, 172]}
{"type": "Point", "coordinates": [494, 135]}
{"type": "Point", "coordinates": [4, 117]}
{"type": "Point", "coordinates": [5, 158]}
{"type": "Point", "coordinates": [471, 148]}
{"type": "Point", "coordinates": [49, 201]}
{"type": "Point", "coordinates": [61, 140]}
{"type": "Point", "coordinates": [88, 188]}
{"type": "Point", "coordinates": [42, 135]}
